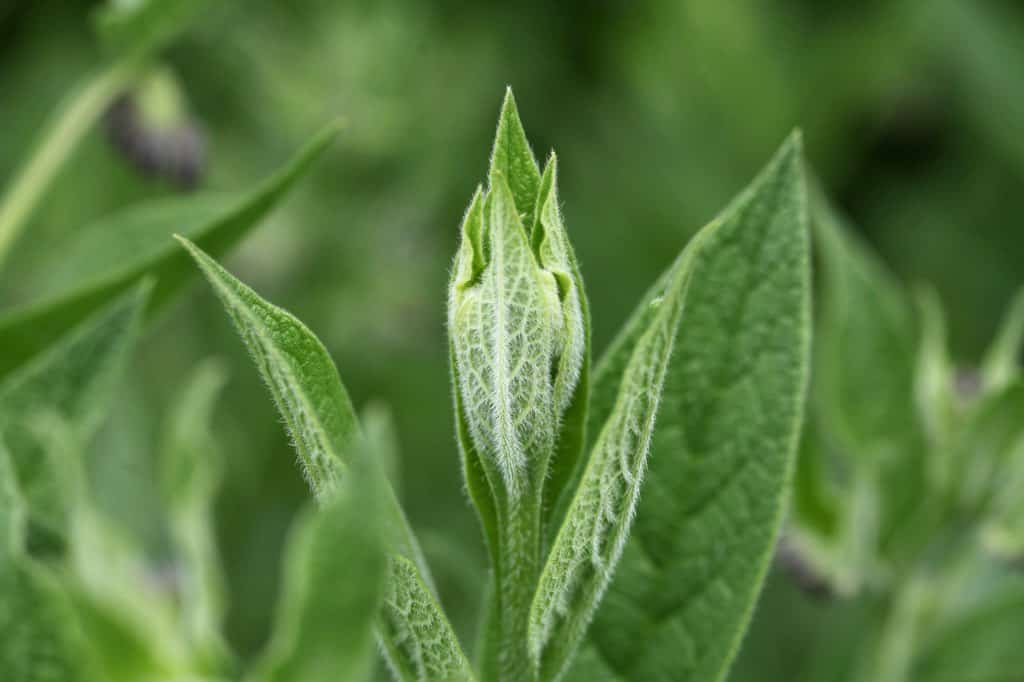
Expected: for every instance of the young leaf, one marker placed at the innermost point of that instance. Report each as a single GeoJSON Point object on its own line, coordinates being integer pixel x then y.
{"type": "Point", "coordinates": [419, 642]}
{"type": "Point", "coordinates": [333, 579]}
{"type": "Point", "coordinates": [215, 224]}
{"type": "Point", "coordinates": [597, 523]}
{"type": "Point", "coordinates": [73, 379]}
{"type": "Point", "coordinates": [722, 454]}
{"type": "Point", "coordinates": [190, 477]}
{"type": "Point", "coordinates": [512, 159]}
{"type": "Point", "coordinates": [318, 413]}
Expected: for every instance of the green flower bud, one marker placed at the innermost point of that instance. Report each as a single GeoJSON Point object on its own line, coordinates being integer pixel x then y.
{"type": "Point", "coordinates": [515, 315]}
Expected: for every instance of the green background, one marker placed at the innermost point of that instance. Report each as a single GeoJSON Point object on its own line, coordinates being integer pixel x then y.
{"type": "Point", "coordinates": [660, 110]}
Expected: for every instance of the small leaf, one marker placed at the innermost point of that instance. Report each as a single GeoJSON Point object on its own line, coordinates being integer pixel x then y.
{"type": "Point", "coordinates": [318, 413]}
{"type": "Point", "coordinates": [332, 587]}
{"type": "Point", "coordinates": [1002, 361]}
{"type": "Point", "coordinates": [597, 523]}
{"type": "Point", "coordinates": [512, 159]}
{"type": "Point", "coordinates": [299, 373]}
{"type": "Point", "coordinates": [418, 639]}
{"type": "Point", "coordinates": [724, 445]}
{"type": "Point", "coordinates": [216, 224]}
{"type": "Point", "coordinates": [935, 380]}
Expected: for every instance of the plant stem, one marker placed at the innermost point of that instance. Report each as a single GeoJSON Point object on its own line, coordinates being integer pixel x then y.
{"type": "Point", "coordinates": [65, 129]}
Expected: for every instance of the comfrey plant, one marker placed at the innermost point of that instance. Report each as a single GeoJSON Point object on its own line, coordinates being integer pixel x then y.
{"type": "Point", "coordinates": [696, 405]}
{"type": "Point", "coordinates": [630, 507]}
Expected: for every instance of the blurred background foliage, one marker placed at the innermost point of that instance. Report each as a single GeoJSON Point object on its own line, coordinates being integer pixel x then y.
{"type": "Point", "coordinates": [660, 110]}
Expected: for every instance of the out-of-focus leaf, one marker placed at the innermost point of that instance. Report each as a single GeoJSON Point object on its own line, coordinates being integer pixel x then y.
{"type": "Point", "coordinates": [333, 582]}
{"type": "Point", "coordinates": [39, 632]}
{"type": "Point", "coordinates": [140, 27]}
{"type": "Point", "coordinates": [983, 646]}
{"type": "Point", "coordinates": [1002, 361]}
{"type": "Point", "coordinates": [379, 426]}
{"type": "Point", "coordinates": [318, 413]}
{"type": "Point", "coordinates": [935, 379]}
{"type": "Point", "coordinates": [724, 445]}
{"type": "Point", "coordinates": [216, 224]}
{"type": "Point", "coordinates": [68, 124]}
{"type": "Point", "coordinates": [73, 379]}
{"type": "Point", "coordinates": [190, 477]}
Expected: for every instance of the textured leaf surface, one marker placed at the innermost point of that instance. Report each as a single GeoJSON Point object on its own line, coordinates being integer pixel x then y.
{"type": "Point", "coordinates": [318, 413]}
{"type": "Point", "coordinates": [421, 645]}
{"type": "Point", "coordinates": [333, 579]}
{"type": "Point", "coordinates": [596, 526]}
{"type": "Point", "coordinates": [724, 444]}
{"type": "Point", "coordinates": [38, 642]}
{"type": "Point", "coordinates": [519, 336]}
{"type": "Point", "coordinates": [106, 271]}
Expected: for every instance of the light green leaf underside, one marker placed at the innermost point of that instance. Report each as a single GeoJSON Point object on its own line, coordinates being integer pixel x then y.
{"type": "Point", "coordinates": [74, 379]}
{"type": "Point", "coordinates": [38, 642]}
{"type": "Point", "coordinates": [316, 408]}
{"type": "Point", "coordinates": [724, 444]}
{"type": "Point", "coordinates": [105, 270]}
{"type": "Point", "coordinates": [596, 526]}
{"type": "Point", "coordinates": [420, 642]}
{"type": "Point", "coordinates": [333, 579]}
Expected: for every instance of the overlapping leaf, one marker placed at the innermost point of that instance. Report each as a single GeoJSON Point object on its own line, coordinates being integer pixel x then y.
{"type": "Point", "coordinates": [723, 449]}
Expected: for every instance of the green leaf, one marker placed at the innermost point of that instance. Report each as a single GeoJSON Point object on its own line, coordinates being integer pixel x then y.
{"type": "Point", "coordinates": [332, 588]}
{"type": "Point", "coordinates": [190, 475]}
{"type": "Point", "coordinates": [865, 390]}
{"type": "Point", "coordinates": [983, 455]}
{"type": "Point", "coordinates": [512, 159]}
{"type": "Point", "coordinates": [724, 445]}
{"type": "Point", "coordinates": [216, 224]}
{"type": "Point", "coordinates": [419, 641]}
{"type": "Point", "coordinates": [596, 526]}
{"type": "Point", "coordinates": [1002, 361]}
{"type": "Point", "coordinates": [141, 27]}
{"type": "Point", "coordinates": [73, 379]}
{"type": "Point", "coordinates": [58, 139]}
{"type": "Point", "coordinates": [935, 379]}
{"type": "Point", "coordinates": [982, 646]}
{"type": "Point", "coordinates": [319, 416]}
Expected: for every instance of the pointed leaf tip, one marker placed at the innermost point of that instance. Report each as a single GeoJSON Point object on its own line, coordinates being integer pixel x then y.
{"type": "Point", "coordinates": [512, 156]}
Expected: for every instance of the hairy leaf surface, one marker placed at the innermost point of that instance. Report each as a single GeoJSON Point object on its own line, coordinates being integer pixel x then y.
{"type": "Point", "coordinates": [596, 526]}
{"type": "Point", "coordinates": [318, 413]}
{"type": "Point", "coordinates": [724, 444]}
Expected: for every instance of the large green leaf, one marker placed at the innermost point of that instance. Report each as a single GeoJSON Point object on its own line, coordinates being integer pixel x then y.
{"type": "Point", "coordinates": [724, 446]}
{"type": "Point", "coordinates": [318, 414]}
{"type": "Point", "coordinates": [114, 255]}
